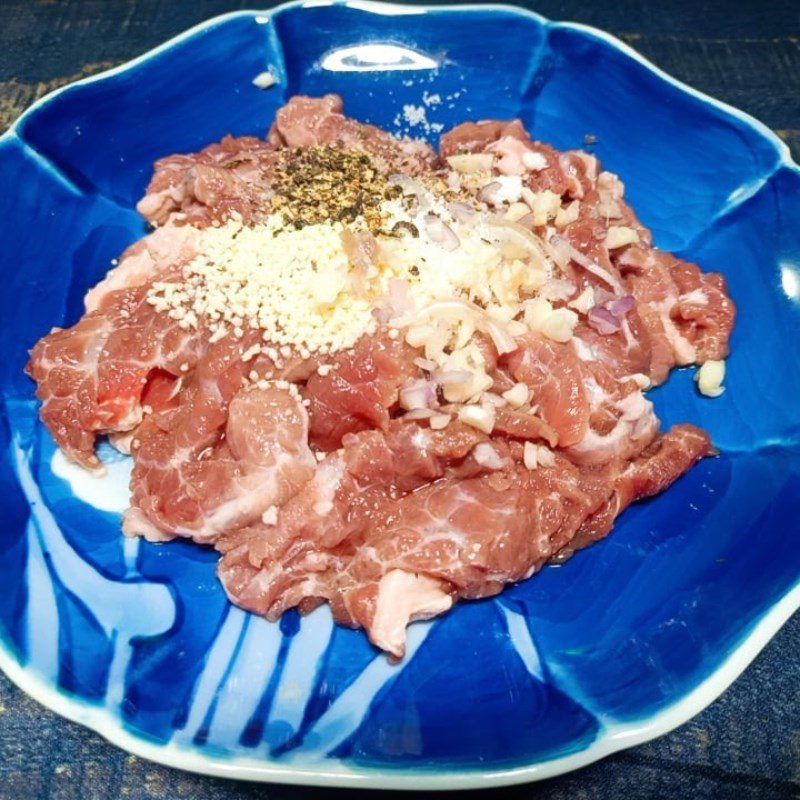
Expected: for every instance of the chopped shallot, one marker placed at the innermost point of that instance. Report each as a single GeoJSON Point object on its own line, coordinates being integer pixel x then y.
{"type": "Point", "coordinates": [501, 338]}
{"type": "Point", "coordinates": [440, 421]}
{"type": "Point", "coordinates": [452, 378]}
{"type": "Point", "coordinates": [361, 249]}
{"type": "Point", "coordinates": [441, 233]}
{"type": "Point", "coordinates": [490, 194]}
{"type": "Point", "coordinates": [417, 394]}
{"type": "Point", "coordinates": [487, 456]}
{"type": "Point", "coordinates": [419, 413]}
{"type": "Point", "coordinates": [461, 212]}
{"type": "Point", "coordinates": [619, 308]}
{"type": "Point", "coordinates": [426, 364]}
{"type": "Point", "coordinates": [603, 321]}
{"type": "Point", "coordinates": [583, 261]}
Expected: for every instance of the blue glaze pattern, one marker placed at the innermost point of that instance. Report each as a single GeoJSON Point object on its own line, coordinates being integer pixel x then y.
{"type": "Point", "coordinates": [627, 639]}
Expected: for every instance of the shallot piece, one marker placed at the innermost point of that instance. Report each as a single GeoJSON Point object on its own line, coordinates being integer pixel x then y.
{"type": "Point", "coordinates": [452, 378]}
{"type": "Point", "coordinates": [462, 212]}
{"type": "Point", "coordinates": [416, 394]}
{"type": "Point", "coordinates": [603, 321]}
{"type": "Point", "coordinates": [528, 221]}
{"type": "Point", "coordinates": [419, 413]}
{"type": "Point", "coordinates": [490, 193]}
{"type": "Point", "coordinates": [426, 364]}
{"type": "Point", "coordinates": [487, 456]}
{"type": "Point", "coordinates": [361, 249]}
{"type": "Point", "coordinates": [441, 233]}
{"type": "Point", "coordinates": [595, 269]}
{"type": "Point", "coordinates": [607, 319]}
{"type": "Point", "coordinates": [502, 340]}
{"type": "Point", "coordinates": [396, 302]}
{"type": "Point", "coordinates": [619, 308]}
{"type": "Point", "coordinates": [559, 250]}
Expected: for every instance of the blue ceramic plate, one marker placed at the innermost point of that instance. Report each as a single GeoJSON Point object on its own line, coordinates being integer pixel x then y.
{"type": "Point", "coordinates": [627, 640]}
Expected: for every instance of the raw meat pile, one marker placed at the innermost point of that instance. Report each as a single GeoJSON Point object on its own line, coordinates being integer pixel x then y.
{"type": "Point", "coordinates": [460, 443]}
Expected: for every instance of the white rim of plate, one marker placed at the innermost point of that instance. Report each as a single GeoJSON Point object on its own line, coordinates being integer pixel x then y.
{"type": "Point", "coordinates": [611, 739]}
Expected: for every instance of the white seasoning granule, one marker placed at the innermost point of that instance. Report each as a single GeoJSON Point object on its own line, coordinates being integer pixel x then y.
{"type": "Point", "coordinates": [545, 456]}
{"type": "Point", "coordinates": [620, 236]}
{"type": "Point", "coordinates": [518, 395]}
{"type": "Point", "coordinates": [709, 378]}
{"type": "Point", "coordinates": [530, 455]}
{"type": "Point", "coordinates": [270, 516]}
{"type": "Point", "coordinates": [479, 417]}
{"type": "Point", "coordinates": [261, 277]}
{"type": "Point", "coordinates": [264, 80]}
{"type": "Point", "coordinates": [251, 352]}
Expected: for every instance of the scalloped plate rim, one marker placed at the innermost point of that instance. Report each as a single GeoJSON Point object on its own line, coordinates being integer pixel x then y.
{"type": "Point", "coordinates": [611, 739]}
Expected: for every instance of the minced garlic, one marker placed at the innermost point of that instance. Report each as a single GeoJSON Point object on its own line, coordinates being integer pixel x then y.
{"type": "Point", "coordinates": [478, 417]}
{"type": "Point", "coordinates": [291, 284]}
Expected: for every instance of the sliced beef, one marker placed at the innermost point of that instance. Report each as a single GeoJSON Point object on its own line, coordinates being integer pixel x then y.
{"type": "Point", "coordinates": [553, 373]}
{"type": "Point", "coordinates": [667, 458]}
{"type": "Point", "coordinates": [314, 121]}
{"type": "Point", "coordinates": [323, 491]}
{"type": "Point", "coordinates": [90, 377]}
{"type": "Point", "coordinates": [359, 390]}
{"type": "Point", "coordinates": [159, 252]}
{"type": "Point", "coordinates": [231, 176]}
{"type": "Point", "coordinates": [221, 458]}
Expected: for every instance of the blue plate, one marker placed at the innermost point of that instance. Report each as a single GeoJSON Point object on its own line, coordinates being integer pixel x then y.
{"type": "Point", "coordinates": [627, 640]}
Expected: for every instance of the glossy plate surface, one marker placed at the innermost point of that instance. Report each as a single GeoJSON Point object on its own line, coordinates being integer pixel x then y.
{"type": "Point", "coordinates": [625, 641]}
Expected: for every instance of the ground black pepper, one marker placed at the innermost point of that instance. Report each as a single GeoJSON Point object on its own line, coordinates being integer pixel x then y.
{"type": "Point", "coordinates": [315, 185]}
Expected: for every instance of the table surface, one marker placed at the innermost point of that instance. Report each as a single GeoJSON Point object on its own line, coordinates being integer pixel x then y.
{"type": "Point", "coordinates": [747, 744]}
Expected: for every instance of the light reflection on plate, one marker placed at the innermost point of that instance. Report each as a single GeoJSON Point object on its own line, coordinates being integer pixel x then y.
{"type": "Point", "coordinates": [376, 58]}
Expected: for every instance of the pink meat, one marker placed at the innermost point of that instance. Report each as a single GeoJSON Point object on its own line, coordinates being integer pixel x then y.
{"type": "Point", "coordinates": [90, 377]}
{"type": "Point", "coordinates": [704, 311]}
{"type": "Point", "coordinates": [212, 466]}
{"type": "Point", "coordinates": [454, 537]}
{"type": "Point", "coordinates": [314, 121]}
{"type": "Point", "coordinates": [553, 373]}
{"type": "Point", "coordinates": [667, 458]}
{"type": "Point", "coordinates": [621, 419]}
{"type": "Point", "coordinates": [233, 175]}
{"type": "Point", "coordinates": [475, 137]}
{"type": "Point", "coordinates": [508, 141]}
{"type": "Point", "coordinates": [389, 521]}
{"type": "Point", "coordinates": [688, 314]}
{"type": "Point", "coordinates": [338, 509]}
{"type": "Point", "coordinates": [162, 250]}
{"type": "Point", "coordinates": [360, 391]}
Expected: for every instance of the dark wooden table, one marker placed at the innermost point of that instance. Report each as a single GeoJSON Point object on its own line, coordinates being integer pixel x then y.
{"type": "Point", "coordinates": [747, 744]}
